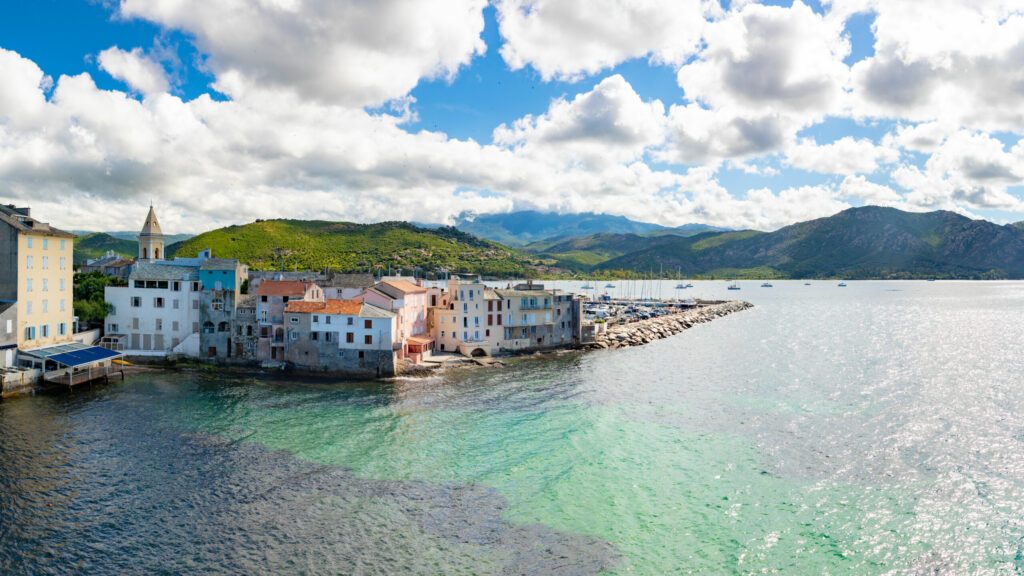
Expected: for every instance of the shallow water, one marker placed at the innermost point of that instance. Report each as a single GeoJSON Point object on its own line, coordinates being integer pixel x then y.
{"type": "Point", "coordinates": [870, 429]}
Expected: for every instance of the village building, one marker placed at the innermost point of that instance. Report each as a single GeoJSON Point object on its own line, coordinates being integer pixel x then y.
{"type": "Point", "coordinates": [348, 336]}
{"type": "Point", "coordinates": [110, 264]}
{"type": "Point", "coordinates": [339, 286]}
{"type": "Point", "coordinates": [36, 293]}
{"type": "Point", "coordinates": [180, 306]}
{"type": "Point", "coordinates": [246, 328]}
{"type": "Point", "coordinates": [459, 322]}
{"type": "Point", "coordinates": [535, 318]}
{"type": "Point", "coordinates": [410, 302]}
{"type": "Point", "coordinates": [272, 296]}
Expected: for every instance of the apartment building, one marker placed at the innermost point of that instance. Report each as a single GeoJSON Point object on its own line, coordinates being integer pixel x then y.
{"type": "Point", "coordinates": [342, 336]}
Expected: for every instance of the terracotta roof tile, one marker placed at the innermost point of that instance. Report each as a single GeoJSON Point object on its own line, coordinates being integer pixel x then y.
{"type": "Point", "coordinates": [290, 288]}
{"type": "Point", "coordinates": [345, 307]}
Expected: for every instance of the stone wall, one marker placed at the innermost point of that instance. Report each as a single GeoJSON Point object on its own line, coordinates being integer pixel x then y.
{"type": "Point", "coordinates": [647, 331]}
{"type": "Point", "coordinates": [323, 356]}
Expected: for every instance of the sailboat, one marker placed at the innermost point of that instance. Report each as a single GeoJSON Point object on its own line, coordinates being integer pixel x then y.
{"type": "Point", "coordinates": [767, 284]}
{"type": "Point", "coordinates": [734, 286]}
{"type": "Point", "coordinates": [842, 284]}
{"type": "Point", "coordinates": [609, 285]}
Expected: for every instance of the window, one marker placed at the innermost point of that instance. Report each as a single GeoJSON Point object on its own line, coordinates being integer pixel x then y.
{"type": "Point", "coordinates": [29, 240]}
{"type": "Point", "coordinates": [46, 306]}
{"type": "Point", "coordinates": [195, 286]}
{"type": "Point", "coordinates": [112, 328]}
{"type": "Point", "coordinates": [158, 302]}
{"type": "Point", "coordinates": [44, 330]}
{"type": "Point", "coordinates": [46, 262]}
{"type": "Point", "coordinates": [314, 336]}
{"type": "Point", "coordinates": [465, 307]}
{"type": "Point", "coordinates": [195, 304]}
{"type": "Point", "coordinates": [159, 324]}
{"type": "Point", "coordinates": [28, 285]}
{"type": "Point", "coordinates": [368, 339]}
{"type": "Point", "coordinates": [294, 320]}
{"type": "Point", "coordinates": [176, 304]}
{"type": "Point", "coordinates": [62, 244]}
{"type": "Point", "coordinates": [63, 262]}
{"type": "Point", "coordinates": [30, 333]}
{"type": "Point", "coordinates": [316, 318]}
{"type": "Point", "coordinates": [136, 302]}
{"type": "Point", "coordinates": [367, 324]}
{"type": "Point", "coordinates": [135, 323]}
{"type": "Point", "coordinates": [46, 285]}
{"type": "Point", "coordinates": [465, 321]}
{"type": "Point", "coordinates": [361, 354]}
{"type": "Point", "coordinates": [490, 320]}
{"type": "Point", "coordinates": [223, 327]}
{"type": "Point", "coordinates": [175, 326]}
{"type": "Point", "coordinates": [46, 243]}
{"type": "Point", "coordinates": [176, 286]}
{"type": "Point", "coordinates": [10, 326]}
{"type": "Point", "coordinates": [499, 319]}
{"type": "Point", "coordinates": [351, 320]}
{"type": "Point", "coordinates": [61, 284]}
{"type": "Point", "coordinates": [487, 333]}
{"type": "Point", "coordinates": [327, 336]}
{"type": "Point", "coordinates": [217, 304]}
{"type": "Point", "coordinates": [442, 333]}
{"type": "Point", "coordinates": [350, 337]}
{"type": "Point", "coordinates": [327, 320]}
{"type": "Point", "coordinates": [465, 335]}
{"type": "Point", "coordinates": [263, 298]}
{"type": "Point", "coordinates": [294, 336]}
{"type": "Point", "coordinates": [62, 305]}
{"type": "Point", "coordinates": [28, 307]}
{"type": "Point", "coordinates": [208, 327]}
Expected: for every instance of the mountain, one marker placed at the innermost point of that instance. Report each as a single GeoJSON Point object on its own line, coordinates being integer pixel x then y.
{"type": "Point", "coordinates": [586, 252]}
{"type": "Point", "coordinates": [344, 246]}
{"type": "Point", "coordinates": [867, 242]}
{"type": "Point", "coordinates": [96, 244]}
{"type": "Point", "coordinates": [529, 226]}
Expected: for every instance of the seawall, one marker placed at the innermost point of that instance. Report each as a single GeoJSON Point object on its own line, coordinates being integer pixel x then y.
{"type": "Point", "coordinates": [647, 331]}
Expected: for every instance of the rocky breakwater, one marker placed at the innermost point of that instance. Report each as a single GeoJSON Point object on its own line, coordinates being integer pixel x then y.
{"type": "Point", "coordinates": [647, 331]}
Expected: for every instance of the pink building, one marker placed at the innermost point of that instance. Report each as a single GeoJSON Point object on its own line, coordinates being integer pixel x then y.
{"type": "Point", "coordinates": [410, 303]}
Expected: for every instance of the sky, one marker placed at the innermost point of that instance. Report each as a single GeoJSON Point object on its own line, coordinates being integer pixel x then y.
{"type": "Point", "coordinates": [733, 113]}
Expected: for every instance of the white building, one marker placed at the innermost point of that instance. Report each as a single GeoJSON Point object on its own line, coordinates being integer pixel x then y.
{"type": "Point", "coordinates": [158, 312]}
{"type": "Point", "coordinates": [342, 335]}
{"type": "Point", "coordinates": [460, 320]}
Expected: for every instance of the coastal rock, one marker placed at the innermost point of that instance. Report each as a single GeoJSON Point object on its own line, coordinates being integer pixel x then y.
{"type": "Point", "coordinates": [647, 331]}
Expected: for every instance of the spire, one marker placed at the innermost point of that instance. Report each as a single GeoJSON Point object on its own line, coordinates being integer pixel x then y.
{"type": "Point", "coordinates": [151, 227]}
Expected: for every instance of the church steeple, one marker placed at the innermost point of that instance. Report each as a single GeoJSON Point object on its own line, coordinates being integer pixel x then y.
{"type": "Point", "coordinates": [151, 239]}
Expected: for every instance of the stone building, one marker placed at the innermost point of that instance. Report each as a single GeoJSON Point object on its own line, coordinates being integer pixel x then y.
{"type": "Point", "coordinates": [245, 328]}
{"type": "Point", "coordinates": [345, 336]}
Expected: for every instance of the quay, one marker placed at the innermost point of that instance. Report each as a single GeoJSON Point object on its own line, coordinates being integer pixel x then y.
{"type": "Point", "coordinates": [640, 332]}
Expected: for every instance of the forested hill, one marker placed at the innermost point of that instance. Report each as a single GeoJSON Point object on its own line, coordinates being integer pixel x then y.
{"type": "Point", "coordinates": [345, 246]}
{"type": "Point", "coordinates": [867, 242]}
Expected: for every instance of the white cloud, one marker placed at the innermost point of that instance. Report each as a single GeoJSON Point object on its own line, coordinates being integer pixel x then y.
{"type": "Point", "coordinates": [609, 123]}
{"type": "Point", "coordinates": [567, 39]}
{"type": "Point", "coordinates": [845, 156]}
{"type": "Point", "coordinates": [348, 52]}
{"type": "Point", "coordinates": [141, 73]}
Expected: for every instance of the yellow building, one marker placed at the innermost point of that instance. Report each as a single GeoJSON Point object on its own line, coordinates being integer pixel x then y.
{"type": "Point", "coordinates": [36, 273]}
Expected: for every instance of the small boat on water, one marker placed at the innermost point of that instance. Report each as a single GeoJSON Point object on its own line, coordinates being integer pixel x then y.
{"type": "Point", "coordinates": [842, 284]}
{"type": "Point", "coordinates": [688, 285]}
{"type": "Point", "coordinates": [586, 286]}
{"type": "Point", "coordinates": [807, 283]}
{"type": "Point", "coordinates": [681, 286]}
{"type": "Point", "coordinates": [767, 285]}
{"type": "Point", "coordinates": [609, 285]}
{"type": "Point", "coordinates": [734, 286]}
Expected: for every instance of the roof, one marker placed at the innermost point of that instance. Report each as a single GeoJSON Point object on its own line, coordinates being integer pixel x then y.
{"type": "Point", "coordinates": [219, 264]}
{"type": "Point", "coordinates": [283, 288]}
{"type": "Point", "coordinates": [4, 306]}
{"type": "Point", "coordinates": [419, 339]}
{"type": "Point", "coordinates": [158, 271]}
{"type": "Point", "coordinates": [523, 293]}
{"type": "Point", "coordinates": [399, 288]}
{"type": "Point", "coordinates": [151, 227]}
{"type": "Point", "coordinates": [19, 219]}
{"type": "Point", "coordinates": [345, 307]}
{"type": "Point", "coordinates": [371, 311]}
{"type": "Point", "coordinates": [73, 354]}
{"type": "Point", "coordinates": [349, 281]}
{"type": "Point", "coordinates": [491, 294]}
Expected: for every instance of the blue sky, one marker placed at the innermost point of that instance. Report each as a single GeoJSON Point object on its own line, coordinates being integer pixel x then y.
{"type": "Point", "coordinates": [540, 95]}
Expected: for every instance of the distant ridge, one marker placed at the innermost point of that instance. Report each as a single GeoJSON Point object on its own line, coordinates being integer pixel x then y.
{"type": "Point", "coordinates": [866, 242]}
{"type": "Point", "coordinates": [529, 226]}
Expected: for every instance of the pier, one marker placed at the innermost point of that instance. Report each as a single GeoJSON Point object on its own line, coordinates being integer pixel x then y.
{"type": "Point", "coordinates": [640, 332]}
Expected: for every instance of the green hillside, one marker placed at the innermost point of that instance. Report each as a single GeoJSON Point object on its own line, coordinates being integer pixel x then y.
{"type": "Point", "coordinates": [97, 244]}
{"type": "Point", "coordinates": [344, 246]}
{"type": "Point", "coordinates": [867, 242]}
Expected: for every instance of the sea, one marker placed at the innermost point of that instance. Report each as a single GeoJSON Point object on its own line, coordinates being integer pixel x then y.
{"type": "Point", "coordinates": [876, 428]}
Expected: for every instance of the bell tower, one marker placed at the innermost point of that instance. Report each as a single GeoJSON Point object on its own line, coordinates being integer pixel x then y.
{"type": "Point", "coordinates": [151, 239]}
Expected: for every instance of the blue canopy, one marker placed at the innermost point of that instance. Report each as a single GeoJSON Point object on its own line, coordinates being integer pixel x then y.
{"type": "Point", "coordinates": [84, 356]}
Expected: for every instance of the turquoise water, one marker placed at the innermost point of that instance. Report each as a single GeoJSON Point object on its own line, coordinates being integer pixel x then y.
{"type": "Point", "coordinates": [872, 429]}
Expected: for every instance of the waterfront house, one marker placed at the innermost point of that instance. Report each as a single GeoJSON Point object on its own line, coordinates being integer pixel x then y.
{"type": "Point", "coordinates": [36, 293]}
{"type": "Point", "coordinates": [347, 336]}
{"type": "Point", "coordinates": [246, 328]}
{"type": "Point", "coordinates": [410, 302]}
{"type": "Point", "coordinates": [459, 322]}
{"type": "Point", "coordinates": [272, 296]}
{"type": "Point", "coordinates": [339, 286]}
{"type": "Point", "coordinates": [179, 306]}
{"type": "Point", "coordinates": [535, 318]}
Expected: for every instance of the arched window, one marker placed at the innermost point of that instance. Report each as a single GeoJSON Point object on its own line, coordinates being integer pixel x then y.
{"type": "Point", "coordinates": [223, 327]}
{"type": "Point", "coordinates": [156, 253]}
{"type": "Point", "coordinates": [208, 327]}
